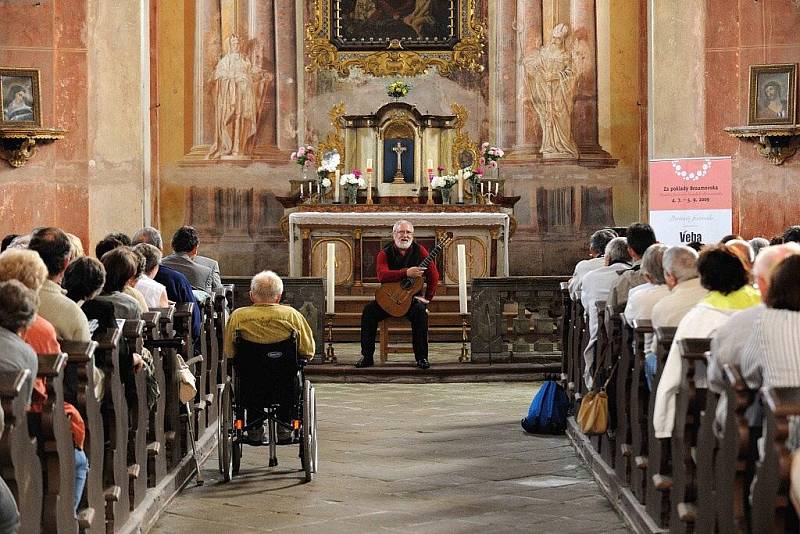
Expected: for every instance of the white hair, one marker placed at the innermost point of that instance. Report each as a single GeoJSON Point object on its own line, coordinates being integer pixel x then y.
{"type": "Point", "coordinates": [769, 257]}
{"type": "Point", "coordinates": [396, 225]}
{"type": "Point", "coordinates": [680, 261]}
{"type": "Point", "coordinates": [267, 286]}
{"type": "Point", "coordinates": [617, 250]}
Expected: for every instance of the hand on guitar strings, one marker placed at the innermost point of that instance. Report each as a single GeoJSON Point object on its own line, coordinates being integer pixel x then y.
{"type": "Point", "coordinates": [415, 272]}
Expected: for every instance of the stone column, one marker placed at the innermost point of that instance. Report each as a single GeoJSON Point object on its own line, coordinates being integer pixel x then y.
{"type": "Point", "coordinates": [262, 28]}
{"type": "Point", "coordinates": [529, 41]}
{"type": "Point", "coordinates": [584, 41]}
{"type": "Point", "coordinates": [503, 65]}
{"type": "Point", "coordinates": [285, 74]}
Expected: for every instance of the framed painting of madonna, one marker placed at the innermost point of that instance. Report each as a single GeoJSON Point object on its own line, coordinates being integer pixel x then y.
{"type": "Point", "coordinates": [395, 37]}
{"type": "Point", "coordinates": [373, 24]}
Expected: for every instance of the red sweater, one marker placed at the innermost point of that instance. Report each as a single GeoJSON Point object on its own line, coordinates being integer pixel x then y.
{"type": "Point", "coordinates": [385, 274]}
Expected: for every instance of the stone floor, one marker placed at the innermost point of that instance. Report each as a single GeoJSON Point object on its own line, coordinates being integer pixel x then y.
{"type": "Point", "coordinates": [407, 458]}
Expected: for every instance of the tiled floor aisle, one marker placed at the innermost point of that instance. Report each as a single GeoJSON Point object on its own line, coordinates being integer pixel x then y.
{"type": "Point", "coordinates": [407, 458]}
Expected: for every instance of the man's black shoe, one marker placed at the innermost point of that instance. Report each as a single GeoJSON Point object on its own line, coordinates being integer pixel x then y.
{"type": "Point", "coordinates": [423, 364]}
{"type": "Point", "coordinates": [363, 362]}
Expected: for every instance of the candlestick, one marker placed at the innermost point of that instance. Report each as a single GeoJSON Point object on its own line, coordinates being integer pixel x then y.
{"type": "Point", "coordinates": [430, 185]}
{"type": "Point", "coordinates": [330, 355]}
{"type": "Point", "coordinates": [331, 268]}
{"type": "Point", "coordinates": [462, 278]}
{"type": "Point", "coordinates": [336, 187]}
{"type": "Point", "coordinates": [460, 186]}
{"type": "Point", "coordinates": [430, 165]}
{"type": "Point", "coordinates": [369, 186]}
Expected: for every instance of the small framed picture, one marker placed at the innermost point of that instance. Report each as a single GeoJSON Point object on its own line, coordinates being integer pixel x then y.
{"type": "Point", "coordinates": [773, 90]}
{"type": "Point", "coordinates": [20, 92]}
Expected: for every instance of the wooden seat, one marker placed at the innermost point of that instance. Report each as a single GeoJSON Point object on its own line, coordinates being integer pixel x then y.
{"type": "Point", "coordinates": [394, 348]}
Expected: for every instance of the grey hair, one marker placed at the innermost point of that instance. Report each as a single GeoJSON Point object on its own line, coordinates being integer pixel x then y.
{"type": "Point", "coordinates": [600, 239]}
{"type": "Point", "coordinates": [266, 285]}
{"type": "Point", "coordinates": [151, 254]}
{"type": "Point", "coordinates": [21, 241]}
{"type": "Point", "coordinates": [150, 235]}
{"type": "Point", "coordinates": [758, 243]}
{"type": "Point", "coordinates": [617, 250]}
{"type": "Point", "coordinates": [769, 257]}
{"type": "Point", "coordinates": [18, 305]}
{"type": "Point", "coordinates": [653, 262]}
{"type": "Point", "coordinates": [396, 226]}
{"type": "Point", "coordinates": [680, 261]}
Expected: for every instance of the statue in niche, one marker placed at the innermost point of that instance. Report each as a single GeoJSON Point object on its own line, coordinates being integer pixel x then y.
{"type": "Point", "coordinates": [552, 82]}
{"type": "Point", "coordinates": [239, 95]}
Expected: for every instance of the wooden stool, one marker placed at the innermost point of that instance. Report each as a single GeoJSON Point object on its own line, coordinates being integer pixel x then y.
{"type": "Point", "coordinates": [385, 346]}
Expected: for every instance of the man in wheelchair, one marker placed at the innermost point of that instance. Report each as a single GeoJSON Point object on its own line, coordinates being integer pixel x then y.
{"type": "Point", "coordinates": [266, 322]}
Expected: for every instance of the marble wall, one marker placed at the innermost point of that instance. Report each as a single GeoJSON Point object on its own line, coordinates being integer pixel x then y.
{"type": "Point", "coordinates": [88, 53]}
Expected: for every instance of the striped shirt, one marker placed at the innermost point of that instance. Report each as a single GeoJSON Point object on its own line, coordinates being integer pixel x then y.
{"type": "Point", "coordinates": [772, 355]}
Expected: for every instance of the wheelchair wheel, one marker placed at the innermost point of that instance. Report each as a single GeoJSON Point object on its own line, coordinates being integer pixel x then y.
{"type": "Point", "coordinates": [225, 433]}
{"type": "Point", "coordinates": [313, 430]}
{"type": "Point", "coordinates": [306, 445]}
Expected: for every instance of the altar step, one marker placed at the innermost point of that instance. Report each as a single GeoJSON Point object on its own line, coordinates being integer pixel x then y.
{"type": "Point", "coordinates": [406, 372]}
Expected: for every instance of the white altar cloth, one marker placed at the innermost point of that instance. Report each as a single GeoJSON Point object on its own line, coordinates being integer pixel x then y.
{"type": "Point", "coordinates": [416, 218]}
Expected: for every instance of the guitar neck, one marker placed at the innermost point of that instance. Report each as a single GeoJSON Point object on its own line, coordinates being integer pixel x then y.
{"type": "Point", "coordinates": [432, 255]}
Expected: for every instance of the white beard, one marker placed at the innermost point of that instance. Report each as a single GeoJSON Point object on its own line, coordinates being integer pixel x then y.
{"type": "Point", "coordinates": [401, 245]}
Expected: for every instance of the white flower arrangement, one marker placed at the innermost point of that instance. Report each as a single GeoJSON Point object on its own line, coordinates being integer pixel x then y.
{"type": "Point", "coordinates": [330, 164]}
{"type": "Point", "coordinates": [352, 180]}
{"type": "Point", "coordinates": [326, 183]}
{"type": "Point", "coordinates": [444, 182]}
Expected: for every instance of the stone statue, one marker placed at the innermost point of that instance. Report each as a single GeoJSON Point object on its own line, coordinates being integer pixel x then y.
{"type": "Point", "coordinates": [552, 81]}
{"type": "Point", "coordinates": [239, 90]}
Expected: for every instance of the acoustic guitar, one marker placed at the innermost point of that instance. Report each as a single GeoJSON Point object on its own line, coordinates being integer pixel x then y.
{"type": "Point", "coordinates": [396, 297]}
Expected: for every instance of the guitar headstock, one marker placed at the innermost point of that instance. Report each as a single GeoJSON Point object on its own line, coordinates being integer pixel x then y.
{"type": "Point", "coordinates": [444, 241]}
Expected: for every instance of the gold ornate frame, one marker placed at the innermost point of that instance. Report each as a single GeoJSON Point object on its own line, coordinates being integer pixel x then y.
{"type": "Point", "coordinates": [35, 98]}
{"type": "Point", "coordinates": [461, 140]}
{"type": "Point", "coordinates": [467, 53]}
{"type": "Point", "coordinates": [335, 139]}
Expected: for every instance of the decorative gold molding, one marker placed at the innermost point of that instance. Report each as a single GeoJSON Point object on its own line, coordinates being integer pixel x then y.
{"type": "Point", "coordinates": [461, 139]}
{"type": "Point", "coordinates": [777, 143]}
{"type": "Point", "coordinates": [335, 139]}
{"type": "Point", "coordinates": [322, 54]}
{"type": "Point", "coordinates": [18, 145]}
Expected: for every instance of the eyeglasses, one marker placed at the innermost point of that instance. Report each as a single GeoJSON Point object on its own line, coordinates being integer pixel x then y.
{"type": "Point", "coordinates": [404, 232]}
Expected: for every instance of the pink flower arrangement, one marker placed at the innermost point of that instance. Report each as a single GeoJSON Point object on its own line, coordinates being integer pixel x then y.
{"type": "Point", "coordinates": [303, 155]}
{"type": "Point", "coordinates": [357, 173]}
{"type": "Point", "coordinates": [491, 155]}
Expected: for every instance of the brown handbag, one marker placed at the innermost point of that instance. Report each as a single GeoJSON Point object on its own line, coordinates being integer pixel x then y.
{"type": "Point", "coordinates": [593, 414]}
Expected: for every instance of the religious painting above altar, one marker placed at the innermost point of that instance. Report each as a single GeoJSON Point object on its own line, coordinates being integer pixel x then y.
{"type": "Point", "coordinates": [387, 37]}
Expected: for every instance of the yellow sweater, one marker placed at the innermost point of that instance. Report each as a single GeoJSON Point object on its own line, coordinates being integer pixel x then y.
{"type": "Point", "coordinates": [269, 323]}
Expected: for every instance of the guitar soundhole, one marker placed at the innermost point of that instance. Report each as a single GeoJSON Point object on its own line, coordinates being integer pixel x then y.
{"type": "Point", "coordinates": [406, 283]}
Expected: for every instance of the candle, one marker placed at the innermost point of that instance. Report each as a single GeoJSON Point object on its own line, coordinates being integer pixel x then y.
{"type": "Point", "coordinates": [336, 187]}
{"type": "Point", "coordinates": [430, 165]}
{"type": "Point", "coordinates": [301, 190]}
{"type": "Point", "coordinates": [462, 279]}
{"type": "Point", "coordinates": [460, 186]}
{"type": "Point", "coordinates": [331, 276]}
{"type": "Point", "coordinates": [496, 187]}
{"type": "Point", "coordinates": [481, 188]}
{"type": "Point", "coordinates": [369, 164]}
{"type": "Point", "coordinates": [369, 186]}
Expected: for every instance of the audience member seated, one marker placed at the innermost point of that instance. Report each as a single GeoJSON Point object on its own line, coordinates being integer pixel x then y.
{"type": "Point", "coordinates": [121, 265]}
{"type": "Point", "coordinates": [69, 321]}
{"type": "Point", "coordinates": [758, 243]}
{"type": "Point", "coordinates": [640, 236]}
{"type": "Point", "coordinates": [114, 241]}
{"type": "Point", "coordinates": [27, 267]}
{"type": "Point", "coordinates": [77, 247]}
{"type": "Point", "coordinates": [155, 294]}
{"type": "Point", "coordinates": [184, 246]}
{"type": "Point", "coordinates": [641, 299]}
{"type": "Point", "coordinates": [130, 287]}
{"type": "Point", "coordinates": [107, 244]}
{"type": "Point", "coordinates": [597, 248]}
{"type": "Point", "coordinates": [9, 514]}
{"type": "Point", "coordinates": [791, 234]}
{"type": "Point", "coordinates": [742, 248]}
{"type": "Point", "coordinates": [17, 314]}
{"type": "Point", "coordinates": [729, 342]}
{"type": "Point", "coordinates": [7, 241]}
{"type": "Point", "coordinates": [596, 287]}
{"type": "Point", "coordinates": [178, 287]}
{"type": "Point", "coordinates": [724, 275]}
{"type": "Point", "coordinates": [83, 281]}
{"type": "Point", "coordinates": [730, 237]}
{"type": "Point", "coordinates": [268, 321]}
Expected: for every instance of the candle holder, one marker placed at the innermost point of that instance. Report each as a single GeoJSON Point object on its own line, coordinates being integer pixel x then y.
{"type": "Point", "coordinates": [330, 355]}
{"type": "Point", "coordinates": [487, 198]}
{"type": "Point", "coordinates": [430, 187]}
{"type": "Point", "coordinates": [369, 186]}
{"type": "Point", "coordinates": [465, 356]}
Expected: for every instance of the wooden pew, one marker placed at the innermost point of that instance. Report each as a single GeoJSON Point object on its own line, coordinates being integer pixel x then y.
{"type": "Point", "coordinates": [212, 363]}
{"type": "Point", "coordinates": [601, 349]}
{"type": "Point", "coordinates": [19, 462]}
{"type": "Point", "coordinates": [115, 424]}
{"type": "Point", "coordinates": [199, 405]}
{"type": "Point", "coordinates": [80, 354]}
{"type": "Point", "coordinates": [659, 475]}
{"type": "Point", "coordinates": [771, 506]}
{"type": "Point", "coordinates": [156, 450]}
{"type": "Point", "coordinates": [56, 448]}
{"type": "Point", "coordinates": [613, 327]}
{"type": "Point", "coordinates": [705, 460]}
{"type": "Point", "coordinates": [177, 429]}
{"type": "Point", "coordinates": [623, 461]}
{"type": "Point", "coordinates": [581, 341]}
{"type": "Point", "coordinates": [689, 403]}
{"type": "Point", "coordinates": [138, 416]}
{"type": "Point", "coordinates": [566, 336]}
{"type": "Point", "coordinates": [639, 414]}
{"type": "Point", "coordinates": [731, 486]}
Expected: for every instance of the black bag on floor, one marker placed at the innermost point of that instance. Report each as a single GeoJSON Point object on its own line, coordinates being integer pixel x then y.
{"type": "Point", "coordinates": [548, 411]}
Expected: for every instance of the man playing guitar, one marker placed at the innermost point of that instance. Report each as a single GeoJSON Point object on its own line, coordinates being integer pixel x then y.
{"type": "Point", "coordinates": [397, 261]}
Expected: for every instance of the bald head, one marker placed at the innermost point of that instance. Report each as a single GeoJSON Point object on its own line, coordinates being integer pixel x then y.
{"type": "Point", "coordinates": [767, 259]}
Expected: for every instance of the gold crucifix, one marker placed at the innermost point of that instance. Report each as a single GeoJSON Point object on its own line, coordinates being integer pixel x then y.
{"type": "Point", "coordinates": [399, 178]}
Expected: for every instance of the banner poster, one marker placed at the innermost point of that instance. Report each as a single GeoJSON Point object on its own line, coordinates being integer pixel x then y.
{"type": "Point", "coordinates": [690, 199]}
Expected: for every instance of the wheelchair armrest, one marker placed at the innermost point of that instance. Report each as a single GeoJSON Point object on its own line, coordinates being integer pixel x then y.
{"type": "Point", "coordinates": [196, 359]}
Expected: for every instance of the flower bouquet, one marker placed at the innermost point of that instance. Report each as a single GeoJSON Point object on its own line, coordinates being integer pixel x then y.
{"type": "Point", "coordinates": [302, 156]}
{"type": "Point", "coordinates": [352, 183]}
{"type": "Point", "coordinates": [398, 89]}
{"type": "Point", "coordinates": [474, 177]}
{"type": "Point", "coordinates": [445, 185]}
{"type": "Point", "coordinates": [491, 155]}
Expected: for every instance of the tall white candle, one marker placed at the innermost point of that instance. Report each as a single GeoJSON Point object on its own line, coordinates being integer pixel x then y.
{"type": "Point", "coordinates": [462, 279]}
{"type": "Point", "coordinates": [496, 187]}
{"type": "Point", "coordinates": [460, 186]}
{"type": "Point", "coordinates": [331, 276]}
{"type": "Point", "coordinates": [481, 188]}
{"type": "Point", "coordinates": [336, 187]}
{"type": "Point", "coordinates": [430, 165]}
{"type": "Point", "coordinates": [301, 190]}
{"type": "Point", "coordinates": [369, 164]}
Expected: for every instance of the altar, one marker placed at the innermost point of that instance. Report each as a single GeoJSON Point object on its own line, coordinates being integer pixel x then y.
{"type": "Point", "coordinates": [360, 231]}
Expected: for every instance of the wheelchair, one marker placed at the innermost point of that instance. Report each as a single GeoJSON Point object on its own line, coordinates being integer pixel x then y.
{"type": "Point", "coordinates": [275, 392]}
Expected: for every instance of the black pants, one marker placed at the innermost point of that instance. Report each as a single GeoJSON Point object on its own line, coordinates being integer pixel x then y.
{"type": "Point", "coordinates": [374, 314]}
